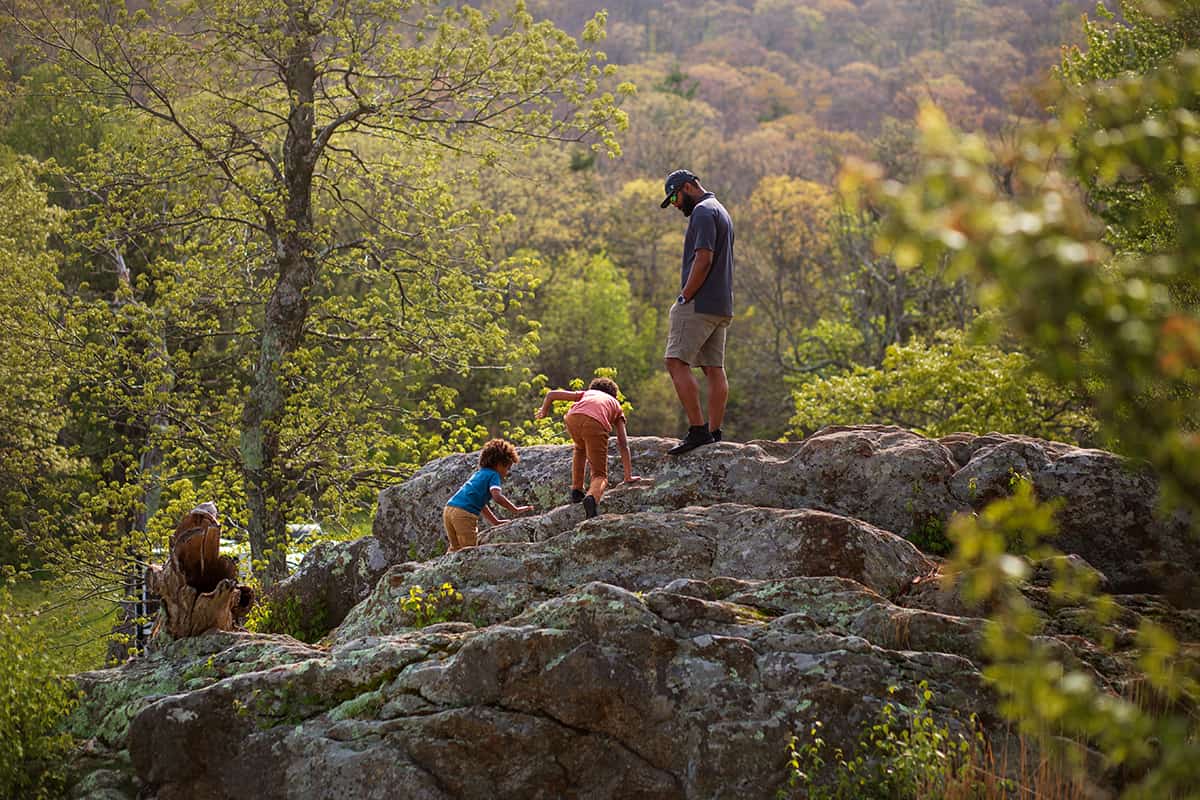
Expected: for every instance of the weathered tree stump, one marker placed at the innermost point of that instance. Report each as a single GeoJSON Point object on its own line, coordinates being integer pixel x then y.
{"type": "Point", "coordinates": [198, 586]}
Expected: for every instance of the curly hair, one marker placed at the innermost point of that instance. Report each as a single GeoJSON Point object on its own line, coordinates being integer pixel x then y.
{"type": "Point", "coordinates": [498, 452]}
{"type": "Point", "coordinates": [606, 385]}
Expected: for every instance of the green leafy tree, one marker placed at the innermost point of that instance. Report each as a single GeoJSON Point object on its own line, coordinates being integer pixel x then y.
{"type": "Point", "coordinates": [308, 165]}
{"type": "Point", "coordinates": [945, 385]}
{"type": "Point", "coordinates": [31, 368]}
{"type": "Point", "coordinates": [587, 321]}
{"type": "Point", "coordinates": [1141, 42]}
{"type": "Point", "coordinates": [36, 701]}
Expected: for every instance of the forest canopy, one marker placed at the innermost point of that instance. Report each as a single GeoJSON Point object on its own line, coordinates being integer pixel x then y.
{"type": "Point", "coordinates": [280, 261]}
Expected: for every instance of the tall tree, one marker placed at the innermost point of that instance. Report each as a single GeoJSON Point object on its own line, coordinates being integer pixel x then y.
{"type": "Point", "coordinates": [31, 375]}
{"type": "Point", "coordinates": [297, 151]}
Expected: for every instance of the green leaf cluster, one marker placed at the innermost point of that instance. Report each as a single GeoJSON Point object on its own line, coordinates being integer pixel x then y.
{"type": "Point", "coordinates": [307, 623]}
{"type": "Point", "coordinates": [1146, 733]}
{"type": "Point", "coordinates": [440, 604]}
{"type": "Point", "coordinates": [32, 368]}
{"type": "Point", "coordinates": [942, 386]}
{"type": "Point", "coordinates": [35, 703]}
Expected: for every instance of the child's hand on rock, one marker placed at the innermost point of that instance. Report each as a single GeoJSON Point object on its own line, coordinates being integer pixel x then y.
{"type": "Point", "coordinates": [524, 509]}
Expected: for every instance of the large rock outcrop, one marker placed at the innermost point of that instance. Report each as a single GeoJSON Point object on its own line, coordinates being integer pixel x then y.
{"type": "Point", "coordinates": [668, 648]}
{"type": "Point", "coordinates": [891, 478]}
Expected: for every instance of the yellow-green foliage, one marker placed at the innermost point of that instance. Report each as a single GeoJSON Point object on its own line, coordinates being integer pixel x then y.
{"type": "Point", "coordinates": [33, 703]}
{"type": "Point", "coordinates": [942, 386]}
{"type": "Point", "coordinates": [441, 604]}
{"type": "Point", "coordinates": [31, 371]}
{"type": "Point", "coordinates": [1050, 699]}
{"type": "Point", "coordinates": [288, 616]}
{"type": "Point", "coordinates": [75, 635]}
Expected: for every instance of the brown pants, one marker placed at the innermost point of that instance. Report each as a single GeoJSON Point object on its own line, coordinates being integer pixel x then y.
{"type": "Point", "coordinates": [591, 445]}
{"type": "Point", "coordinates": [462, 527]}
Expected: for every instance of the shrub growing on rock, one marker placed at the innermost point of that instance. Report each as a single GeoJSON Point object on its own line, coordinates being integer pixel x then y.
{"type": "Point", "coordinates": [35, 702]}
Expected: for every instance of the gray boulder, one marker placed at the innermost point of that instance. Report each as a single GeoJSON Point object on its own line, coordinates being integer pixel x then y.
{"type": "Point", "coordinates": [599, 692]}
{"type": "Point", "coordinates": [888, 477]}
{"type": "Point", "coordinates": [646, 550]}
{"type": "Point", "coordinates": [1109, 516]}
{"type": "Point", "coordinates": [885, 476]}
{"type": "Point", "coordinates": [332, 579]}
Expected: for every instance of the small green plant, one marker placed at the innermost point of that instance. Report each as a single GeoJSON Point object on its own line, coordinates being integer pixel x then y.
{"type": "Point", "coordinates": [441, 604]}
{"type": "Point", "coordinates": [931, 537]}
{"type": "Point", "coordinates": [285, 615]}
{"type": "Point", "coordinates": [206, 671]}
{"type": "Point", "coordinates": [904, 754]}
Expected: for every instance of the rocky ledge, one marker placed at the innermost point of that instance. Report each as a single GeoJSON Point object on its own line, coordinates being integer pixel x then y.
{"type": "Point", "coordinates": [668, 648]}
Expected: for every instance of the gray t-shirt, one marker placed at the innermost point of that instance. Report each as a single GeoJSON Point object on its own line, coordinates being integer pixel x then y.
{"type": "Point", "coordinates": [710, 228]}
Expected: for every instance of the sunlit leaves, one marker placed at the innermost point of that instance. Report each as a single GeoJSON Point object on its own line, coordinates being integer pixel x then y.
{"type": "Point", "coordinates": [945, 385]}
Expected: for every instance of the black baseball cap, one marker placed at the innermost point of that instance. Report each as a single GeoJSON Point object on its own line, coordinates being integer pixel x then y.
{"type": "Point", "coordinates": [674, 181]}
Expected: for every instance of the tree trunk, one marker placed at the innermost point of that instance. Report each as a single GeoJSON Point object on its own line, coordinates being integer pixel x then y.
{"type": "Point", "coordinates": [198, 586]}
{"type": "Point", "coordinates": [136, 605]}
{"type": "Point", "coordinates": [286, 314]}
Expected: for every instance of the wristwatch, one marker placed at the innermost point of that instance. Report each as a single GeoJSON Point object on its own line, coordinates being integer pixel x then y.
{"type": "Point", "coordinates": [683, 301]}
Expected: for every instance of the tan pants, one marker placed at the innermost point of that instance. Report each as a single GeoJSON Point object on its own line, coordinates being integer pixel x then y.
{"type": "Point", "coordinates": [591, 445]}
{"type": "Point", "coordinates": [462, 527]}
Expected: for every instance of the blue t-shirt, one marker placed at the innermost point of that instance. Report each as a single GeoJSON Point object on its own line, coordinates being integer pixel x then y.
{"type": "Point", "coordinates": [477, 491]}
{"type": "Point", "coordinates": [710, 228]}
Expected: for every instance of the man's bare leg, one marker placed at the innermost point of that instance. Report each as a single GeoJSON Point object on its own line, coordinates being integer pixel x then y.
{"type": "Point", "coordinates": [687, 389]}
{"type": "Point", "coordinates": [718, 393]}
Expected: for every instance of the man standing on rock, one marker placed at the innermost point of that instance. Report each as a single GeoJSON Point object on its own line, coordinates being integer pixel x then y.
{"type": "Point", "coordinates": [701, 313]}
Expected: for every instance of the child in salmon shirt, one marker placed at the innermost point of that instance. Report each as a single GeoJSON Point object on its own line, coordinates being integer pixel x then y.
{"type": "Point", "coordinates": [590, 419]}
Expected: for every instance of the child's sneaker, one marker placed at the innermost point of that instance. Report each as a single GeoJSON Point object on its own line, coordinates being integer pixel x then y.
{"type": "Point", "coordinates": [715, 434]}
{"type": "Point", "coordinates": [589, 506]}
{"type": "Point", "coordinates": [577, 495]}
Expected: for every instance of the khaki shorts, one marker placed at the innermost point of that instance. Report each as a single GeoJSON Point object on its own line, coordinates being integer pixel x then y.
{"type": "Point", "coordinates": [462, 527]}
{"type": "Point", "coordinates": [697, 340]}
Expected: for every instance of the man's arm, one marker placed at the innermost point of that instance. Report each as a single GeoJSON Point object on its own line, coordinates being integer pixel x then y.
{"type": "Point", "coordinates": [701, 264]}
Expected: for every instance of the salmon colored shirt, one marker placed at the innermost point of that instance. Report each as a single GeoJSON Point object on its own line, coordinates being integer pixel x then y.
{"type": "Point", "coordinates": [600, 406]}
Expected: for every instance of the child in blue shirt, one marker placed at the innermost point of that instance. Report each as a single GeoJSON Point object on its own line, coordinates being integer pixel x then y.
{"type": "Point", "coordinates": [461, 515]}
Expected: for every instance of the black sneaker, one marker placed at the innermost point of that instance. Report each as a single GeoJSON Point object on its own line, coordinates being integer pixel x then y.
{"type": "Point", "coordinates": [697, 435]}
{"type": "Point", "coordinates": [577, 495]}
{"type": "Point", "coordinates": [589, 507]}
{"type": "Point", "coordinates": [716, 435]}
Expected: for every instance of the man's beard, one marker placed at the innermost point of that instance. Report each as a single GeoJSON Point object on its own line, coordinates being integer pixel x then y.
{"type": "Point", "coordinates": [686, 204]}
